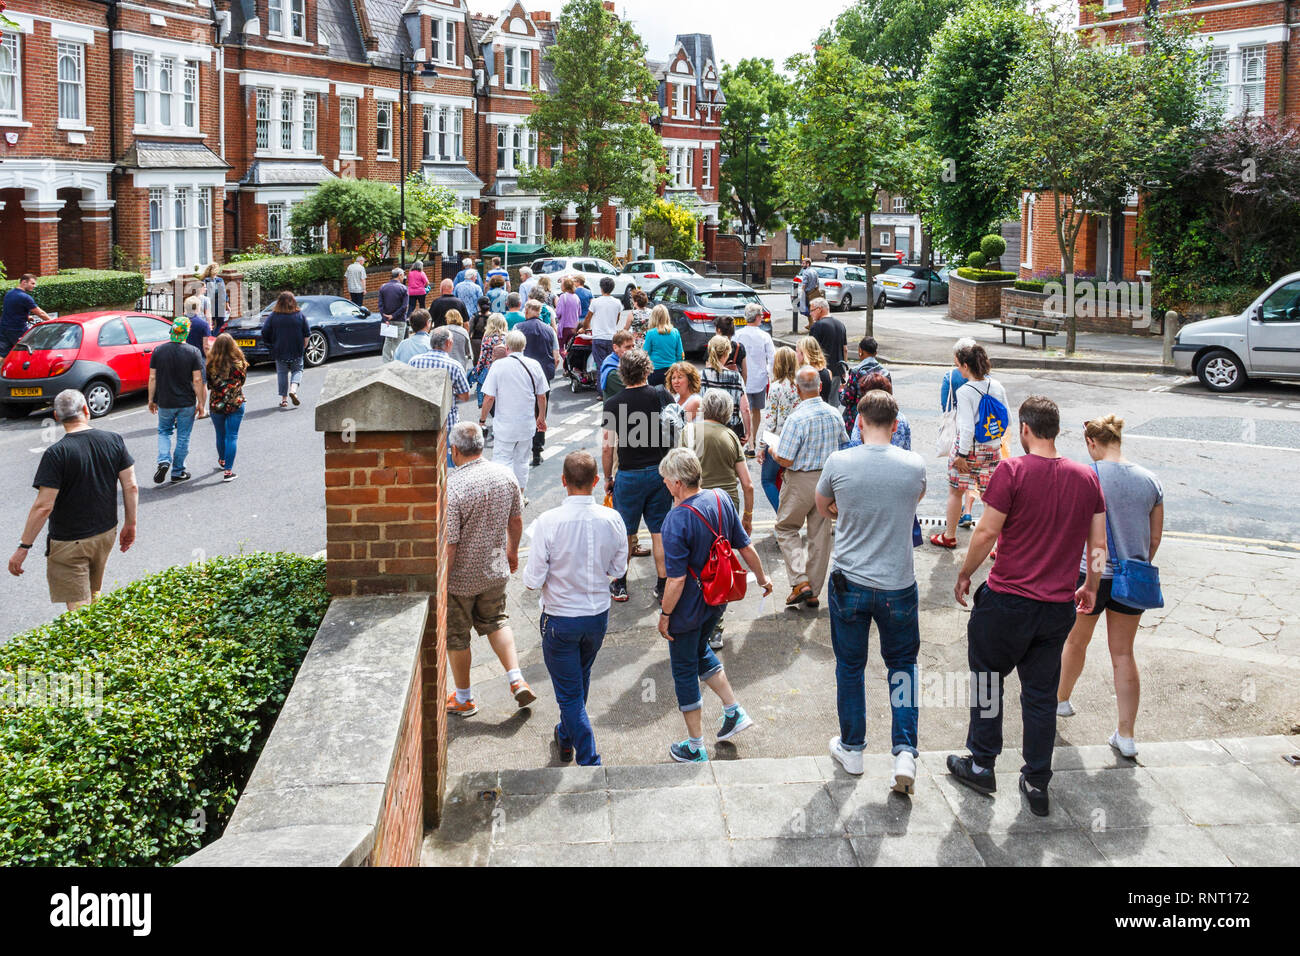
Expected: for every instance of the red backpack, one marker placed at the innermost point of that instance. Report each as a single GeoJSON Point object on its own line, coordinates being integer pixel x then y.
{"type": "Point", "coordinates": [722, 579]}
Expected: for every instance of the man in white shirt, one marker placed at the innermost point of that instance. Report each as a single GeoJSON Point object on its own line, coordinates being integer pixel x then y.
{"type": "Point", "coordinates": [516, 388]}
{"type": "Point", "coordinates": [576, 549]}
{"type": "Point", "coordinates": [355, 275]}
{"type": "Point", "coordinates": [526, 283]}
{"type": "Point", "coordinates": [760, 353]}
{"type": "Point", "coordinates": [604, 315]}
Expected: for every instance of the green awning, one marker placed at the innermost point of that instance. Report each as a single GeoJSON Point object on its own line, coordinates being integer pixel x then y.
{"type": "Point", "coordinates": [523, 249]}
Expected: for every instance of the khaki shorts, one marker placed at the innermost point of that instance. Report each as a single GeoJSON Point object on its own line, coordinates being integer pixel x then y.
{"type": "Point", "coordinates": [75, 569]}
{"type": "Point", "coordinates": [485, 612]}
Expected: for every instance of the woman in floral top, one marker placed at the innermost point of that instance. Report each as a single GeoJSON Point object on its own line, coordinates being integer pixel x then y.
{"type": "Point", "coordinates": [227, 369]}
{"type": "Point", "coordinates": [782, 397]}
{"type": "Point", "coordinates": [638, 322]}
{"type": "Point", "coordinates": [493, 335]}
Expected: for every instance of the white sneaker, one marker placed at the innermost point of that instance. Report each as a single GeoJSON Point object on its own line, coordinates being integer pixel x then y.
{"type": "Point", "coordinates": [1125, 746]}
{"type": "Point", "coordinates": [904, 780]}
{"type": "Point", "coordinates": [1063, 709]}
{"type": "Point", "coordinates": [850, 760]}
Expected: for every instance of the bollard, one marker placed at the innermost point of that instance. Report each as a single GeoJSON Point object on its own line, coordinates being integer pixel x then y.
{"type": "Point", "coordinates": [1172, 322]}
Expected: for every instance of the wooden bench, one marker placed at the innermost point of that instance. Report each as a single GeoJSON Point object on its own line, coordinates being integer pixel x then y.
{"type": "Point", "coordinates": [1030, 322]}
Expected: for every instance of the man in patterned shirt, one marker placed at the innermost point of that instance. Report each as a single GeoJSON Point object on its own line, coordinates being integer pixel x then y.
{"type": "Point", "coordinates": [484, 521]}
{"type": "Point", "coordinates": [438, 357]}
{"type": "Point", "coordinates": [813, 432]}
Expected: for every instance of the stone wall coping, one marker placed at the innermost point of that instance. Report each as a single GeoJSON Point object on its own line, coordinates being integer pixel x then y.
{"type": "Point", "coordinates": [953, 277]}
{"type": "Point", "coordinates": [316, 796]}
{"type": "Point", "coordinates": [386, 398]}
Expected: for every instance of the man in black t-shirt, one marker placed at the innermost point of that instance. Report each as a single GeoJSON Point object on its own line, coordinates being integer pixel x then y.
{"type": "Point", "coordinates": [833, 337]}
{"type": "Point", "coordinates": [634, 429]}
{"type": "Point", "coordinates": [444, 303]}
{"type": "Point", "coordinates": [177, 396]}
{"type": "Point", "coordinates": [76, 490]}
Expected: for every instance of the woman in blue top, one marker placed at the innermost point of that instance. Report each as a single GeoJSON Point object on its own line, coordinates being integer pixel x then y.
{"type": "Point", "coordinates": [948, 400]}
{"type": "Point", "coordinates": [663, 344]}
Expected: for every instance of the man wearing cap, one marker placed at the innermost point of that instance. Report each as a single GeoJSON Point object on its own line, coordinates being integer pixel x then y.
{"type": "Point", "coordinates": [177, 396]}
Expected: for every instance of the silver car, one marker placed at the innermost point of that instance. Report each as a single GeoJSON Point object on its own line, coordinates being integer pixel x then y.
{"type": "Point", "coordinates": [843, 286]}
{"type": "Point", "coordinates": [646, 274]}
{"type": "Point", "coordinates": [912, 285]}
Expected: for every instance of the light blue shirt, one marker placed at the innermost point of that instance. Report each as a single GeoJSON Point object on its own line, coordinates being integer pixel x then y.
{"type": "Point", "coordinates": [415, 345]}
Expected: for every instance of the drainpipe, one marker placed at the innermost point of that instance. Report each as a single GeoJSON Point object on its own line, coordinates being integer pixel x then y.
{"type": "Point", "coordinates": [111, 18]}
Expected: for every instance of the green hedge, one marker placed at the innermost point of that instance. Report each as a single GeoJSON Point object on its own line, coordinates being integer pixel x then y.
{"type": "Point", "coordinates": [985, 275]}
{"type": "Point", "coordinates": [196, 663]}
{"type": "Point", "coordinates": [600, 248]}
{"type": "Point", "coordinates": [1031, 285]}
{"type": "Point", "coordinates": [292, 272]}
{"type": "Point", "coordinates": [84, 290]}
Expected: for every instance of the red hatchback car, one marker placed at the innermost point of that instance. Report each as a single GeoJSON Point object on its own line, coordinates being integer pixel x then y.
{"type": "Point", "coordinates": [102, 354]}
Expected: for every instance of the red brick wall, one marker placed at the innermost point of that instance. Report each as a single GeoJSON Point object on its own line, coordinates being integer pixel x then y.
{"type": "Point", "coordinates": [974, 301]}
{"type": "Point", "coordinates": [401, 823]}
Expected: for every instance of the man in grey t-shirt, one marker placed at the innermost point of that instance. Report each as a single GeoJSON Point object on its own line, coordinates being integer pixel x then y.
{"type": "Point", "coordinates": [872, 491]}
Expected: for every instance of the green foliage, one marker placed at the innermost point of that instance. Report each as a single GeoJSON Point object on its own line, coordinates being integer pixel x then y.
{"type": "Point", "coordinates": [196, 663]}
{"type": "Point", "coordinates": [84, 290]}
{"type": "Point", "coordinates": [757, 102]}
{"type": "Point", "coordinates": [294, 272]}
{"type": "Point", "coordinates": [976, 260]}
{"type": "Point", "coordinates": [993, 246]}
{"type": "Point", "coordinates": [1197, 297]}
{"type": "Point", "coordinates": [984, 275]}
{"type": "Point", "coordinates": [670, 228]}
{"type": "Point", "coordinates": [598, 248]}
{"type": "Point", "coordinates": [597, 114]}
{"type": "Point", "coordinates": [1031, 285]}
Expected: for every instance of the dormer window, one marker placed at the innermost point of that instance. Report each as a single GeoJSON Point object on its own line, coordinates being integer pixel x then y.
{"type": "Point", "coordinates": [681, 101]}
{"type": "Point", "coordinates": [519, 68]}
{"type": "Point", "coordinates": [287, 19]}
{"type": "Point", "coordinates": [443, 39]}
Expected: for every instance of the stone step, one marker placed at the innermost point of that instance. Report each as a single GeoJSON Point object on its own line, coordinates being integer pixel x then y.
{"type": "Point", "coordinates": [1200, 802]}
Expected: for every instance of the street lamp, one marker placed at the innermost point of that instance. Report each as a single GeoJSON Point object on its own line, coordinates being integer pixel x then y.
{"type": "Point", "coordinates": [427, 72]}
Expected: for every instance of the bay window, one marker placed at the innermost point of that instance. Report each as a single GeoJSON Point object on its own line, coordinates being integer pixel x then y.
{"type": "Point", "coordinates": [156, 210]}
{"type": "Point", "coordinates": [286, 120]}
{"type": "Point", "coordinates": [180, 228]}
{"type": "Point", "coordinates": [180, 205]}
{"type": "Point", "coordinates": [263, 119]}
{"type": "Point", "coordinates": [348, 125]}
{"type": "Point", "coordinates": [309, 123]}
{"type": "Point", "coordinates": [166, 94]}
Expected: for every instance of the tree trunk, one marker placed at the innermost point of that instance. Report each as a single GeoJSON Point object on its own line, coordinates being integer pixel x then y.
{"type": "Point", "coordinates": [871, 277]}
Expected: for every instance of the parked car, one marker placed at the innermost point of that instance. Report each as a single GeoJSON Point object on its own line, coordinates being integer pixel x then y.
{"type": "Point", "coordinates": [1261, 342]}
{"type": "Point", "coordinates": [695, 301]}
{"type": "Point", "coordinates": [104, 355]}
{"type": "Point", "coordinates": [337, 326]}
{"type": "Point", "coordinates": [591, 268]}
{"type": "Point", "coordinates": [843, 286]}
{"type": "Point", "coordinates": [646, 274]}
{"type": "Point", "coordinates": [912, 285]}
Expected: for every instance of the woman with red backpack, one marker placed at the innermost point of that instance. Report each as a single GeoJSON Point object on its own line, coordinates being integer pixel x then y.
{"type": "Point", "coordinates": [704, 544]}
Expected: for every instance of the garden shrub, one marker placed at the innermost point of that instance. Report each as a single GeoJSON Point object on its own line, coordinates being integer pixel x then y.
{"type": "Point", "coordinates": [196, 662]}
{"type": "Point", "coordinates": [985, 275]}
{"type": "Point", "coordinates": [277, 273]}
{"type": "Point", "coordinates": [600, 248]}
{"type": "Point", "coordinates": [976, 260]}
{"type": "Point", "coordinates": [84, 290]}
{"type": "Point", "coordinates": [1030, 285]}
{"type": "Point", "coordinates": [992, 246]}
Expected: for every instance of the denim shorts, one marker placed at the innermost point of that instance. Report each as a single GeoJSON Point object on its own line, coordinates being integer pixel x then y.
{"type": "Point", "coordinates": [641, 492]}
{"type": "Point", "coordinates": [693, 661]}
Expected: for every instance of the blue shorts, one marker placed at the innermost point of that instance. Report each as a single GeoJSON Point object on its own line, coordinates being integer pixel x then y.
{"type": "Point", "coordinates": [641, 492]}
{"type": "Point", "coordinates": [692, 660]}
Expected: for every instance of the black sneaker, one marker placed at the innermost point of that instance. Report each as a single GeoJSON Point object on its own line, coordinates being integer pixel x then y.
{"type": "Point", "coordinates": [749, 453]}
{"type": "Point", "coordinates": [160, 473]}
{"type": "Point", "coordinates": [618, 591]}
{"type": "Point", "coordinates": [179, 476]}
{"type": "Point", "coordinates": [537, 459]}
{"type": "Point", "coordinates": [659, 593]}
{"type": "Point", "coordinates": [963, 768]}
{"type": "Point", "coordinates": [566, 753]}
{"type": "Point", "coordinates": [715, 639]}
{"type": "Point", "coordinates": [1037, 798]}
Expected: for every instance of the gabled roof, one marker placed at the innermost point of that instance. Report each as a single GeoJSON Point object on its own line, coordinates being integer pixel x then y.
{"type": "Point", "coordinates": [339, 28]}
{"type": "Point", "coordinates": [699, 47]}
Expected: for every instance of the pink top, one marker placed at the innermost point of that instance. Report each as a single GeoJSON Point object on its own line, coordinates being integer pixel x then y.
{"type": "Point", "coordinates": [417, 283]}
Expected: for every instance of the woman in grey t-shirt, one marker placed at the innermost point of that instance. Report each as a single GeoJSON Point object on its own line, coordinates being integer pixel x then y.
{"type": "Point", "coordinates": [1135, 513]}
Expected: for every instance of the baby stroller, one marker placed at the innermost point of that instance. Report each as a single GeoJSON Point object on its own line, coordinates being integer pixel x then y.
{"type": "Point", "coordinates": [578, 367]}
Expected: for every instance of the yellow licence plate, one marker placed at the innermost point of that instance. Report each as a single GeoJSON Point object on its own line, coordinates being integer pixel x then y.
{"type": "Point", "coordinates": [246, 343]}
{"type": "Point", "coordinates": [892, 285]}
{"type": "Point", "coordinates": [24, 392]}
{"type": "Point", "coordinates": [741, 322]}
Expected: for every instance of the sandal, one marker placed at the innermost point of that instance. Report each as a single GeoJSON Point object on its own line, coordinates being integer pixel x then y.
{"type": "Point", "coordinates": [639, 552]}
{"type": "Point", "coordinates": [284, 403]}
{"type": "Point", "coordinates": [939, 540]}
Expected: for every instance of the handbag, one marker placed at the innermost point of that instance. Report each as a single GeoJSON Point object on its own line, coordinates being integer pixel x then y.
{"type": "Point", "coordinates": [1135, 582]}
{"type": "Point", "coordinates": [947, 438]}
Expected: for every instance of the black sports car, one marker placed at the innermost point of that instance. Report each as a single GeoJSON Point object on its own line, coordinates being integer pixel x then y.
{"type": "Point", "coordinates": [338, 327]}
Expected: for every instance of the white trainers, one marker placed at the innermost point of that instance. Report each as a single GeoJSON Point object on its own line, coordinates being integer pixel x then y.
{"type": "Point", "coordinates": [850, 760]}
{"type": "Point", "coordinates": [904, 779]}
{"type": "Point", "coordinates": [1124, 746]}
{"type": "Point", "coordinates": [1063, 709]}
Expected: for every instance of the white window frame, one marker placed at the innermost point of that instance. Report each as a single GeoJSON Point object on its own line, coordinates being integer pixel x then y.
{"type": "Point", "coordinates": [15, 42]}
{"type": "Point", "coordinates": [75, 53]}
{"type": "Point", "coordinates": [203, 222]}
{"type": "Point", "coordinates": [180, 203]}
{"type": "Point", "coordinates": [287, 100]}
{"type": "Point", "coordinates": [1114, 6]}
{"type": "Point", "coordinates": [384, 111]}
{"type": "Point", "coordinates": [262, 119]}
{"type": "Point", "coordinates": [503, 151]}
{"type": "Point", "coordinates": [1256, 52]}
{"type": "Point", "coordinates": [681, 100]}
{"type": "Point", "coordinates": [307, 128]}
{"type": "Point", "coordinates": [166, 97]}
{"type": "Point", "coordinates": [442, 33]}
{"type": "Point", "coordinates": [886, 240]}
{"type": "Point", "coordinates": [298, 19]}
{"type": "Point", "coordinates": [708, 168]}
{"type": "Point", "coordinates": [190, 94]}
{"type": "Point", "coordinates": [278, 213]}
{"type": "Point", "coordinates": [157, 229]}
{"type": "Point", "coordinates": [348, 112]}
{"type": "Point", "coordinates": [900, 205]}
{"type": "Point", "coordinates": [141, 72]}
{"type": "Point", "coordinates": [510, 73]}
{"type": "Point", "coordinates": [525, 68]}
{"type": "Point", "coordinates": [275, 17]}
{"type": "Point", "coordinates": [180, 228]}
{"type": "Point", "coordinates": [176, 72]}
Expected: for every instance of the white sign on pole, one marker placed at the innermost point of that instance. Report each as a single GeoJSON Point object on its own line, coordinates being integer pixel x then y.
{"type": "Point", "coordinates": [506, 232]}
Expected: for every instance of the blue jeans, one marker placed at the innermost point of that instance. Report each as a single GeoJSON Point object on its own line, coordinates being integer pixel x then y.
{"type": "Point", "coordinates": [853, 608]}
{"type": "Point", "coordinates": [180, 421]}
{"type": "Point", "coordinates": [226, 425]}
{"type": "Point", "coordinates": [569, 647]}
{"type": "Point", "coordinates": [693, 660]}
{"type": "Point", "coordinates": [289, 372]}
{"type": "Point", "coordinates": [768, 478]}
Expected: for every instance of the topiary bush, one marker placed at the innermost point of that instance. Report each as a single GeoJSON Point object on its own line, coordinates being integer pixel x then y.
{"type": "Point", "coordinates": [84, 290]}
{"type": "Point", "coordinates": [196, 662]}
{"type": "Point", "coordinates": [985, 275]}
{"type": "Point", "coordinates": [975, 260]}
{"type": "Point", "coordinates": [992, 246]}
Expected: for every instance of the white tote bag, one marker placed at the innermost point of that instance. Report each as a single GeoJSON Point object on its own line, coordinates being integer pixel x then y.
{"type": "Point", "coordinates": [947, 437]}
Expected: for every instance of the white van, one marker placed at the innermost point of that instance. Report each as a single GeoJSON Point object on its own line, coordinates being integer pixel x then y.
{"type": "Point", "coordinates": [1262, 342]}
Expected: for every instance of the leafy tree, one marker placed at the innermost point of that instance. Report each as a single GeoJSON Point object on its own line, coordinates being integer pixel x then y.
{"type": "Point", "coordinates": [845, 145]}
{"type": "Point", "coordinates": [670, 228]}
{"type": "Point", "coordinates": [964, 79]}
{"type": "Point", "coordinates": [892, 34]}
{"type": "Point", "coordinates": [598, 114]}
{"type": "Point", "coordinates": [757, 100]}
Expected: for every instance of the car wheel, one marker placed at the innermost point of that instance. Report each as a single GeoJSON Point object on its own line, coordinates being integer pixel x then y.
{"type": "Point", "coordinates": [880, 302]}
{"type": "Point", "coordinates": [99, 398]}
{"type": "Point", "coordinates": [318, 349]}
{"type": "Point", "coordinates": [846, 304]}
{"type": "Point", "coordinates": [10, 410]}
{"type": "Point", "coordinates": [1221, 371]}
{"type": "Point", "coordinates": [924, 300]}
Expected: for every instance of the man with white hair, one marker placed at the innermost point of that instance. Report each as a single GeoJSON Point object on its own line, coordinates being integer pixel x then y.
{"type": "Point", "coordinates": [516, 388]}
{"type": "Point", "coordinates": [466, 264]}
{"type": "Point", "coordinates": [469, 291]}
{"type": "Point", "coordinates": [439, 356]}
{"type": "Point", "coordinates": [484, 522]}
{"type": "Point", "coordinates": [526, 283]}
{"type": "Point", "coordinates": [76, 491]}
{"type": "Point", "coordinates": [813, 432]}
{"type": "Point", "coordinates": [760, 353]}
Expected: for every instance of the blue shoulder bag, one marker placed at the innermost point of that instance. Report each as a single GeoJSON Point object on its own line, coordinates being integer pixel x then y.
{"type": "Point", "coordinates": [1136, 583]}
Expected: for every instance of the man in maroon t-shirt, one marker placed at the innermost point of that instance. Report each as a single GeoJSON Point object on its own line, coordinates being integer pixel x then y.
{"type": "Point", "coordinates": [1040, 510]}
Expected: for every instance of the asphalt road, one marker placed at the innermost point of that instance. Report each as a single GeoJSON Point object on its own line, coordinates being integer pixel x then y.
{"type": "Point", "coordinates": [1226, 462]}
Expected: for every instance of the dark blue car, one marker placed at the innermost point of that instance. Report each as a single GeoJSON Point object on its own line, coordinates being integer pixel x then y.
{"type": "Point", "coordinates": [338, 326]}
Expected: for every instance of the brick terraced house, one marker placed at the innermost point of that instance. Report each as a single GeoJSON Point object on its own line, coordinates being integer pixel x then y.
{"type": "Point", "coordinates": [162, 134]}
{"type": "Point", "coordinates": [1256, 70]}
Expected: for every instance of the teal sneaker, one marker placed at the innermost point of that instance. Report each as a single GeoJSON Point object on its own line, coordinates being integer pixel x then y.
{"type": "Point", "coordinates": [966, 521]}
{"type": "Point", "coordinates": [685, 753]}
{"type": "Point", "coordinates": [734, 724]}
